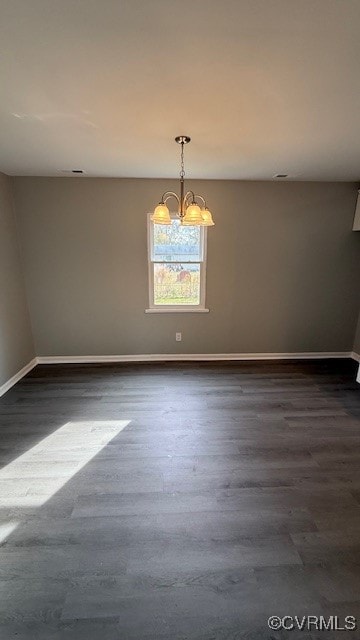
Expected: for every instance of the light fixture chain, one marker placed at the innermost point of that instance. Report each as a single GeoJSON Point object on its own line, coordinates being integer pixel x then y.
{"type": "Point", "coordinates": [182, 172]}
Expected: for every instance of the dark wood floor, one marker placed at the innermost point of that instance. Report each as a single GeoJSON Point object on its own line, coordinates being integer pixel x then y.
{"type": "Point", "coordinates": [190, 501]}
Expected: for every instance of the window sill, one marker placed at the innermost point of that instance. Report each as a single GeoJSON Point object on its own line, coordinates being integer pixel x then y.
{"type": "Point", "coordinates": [177, 310]}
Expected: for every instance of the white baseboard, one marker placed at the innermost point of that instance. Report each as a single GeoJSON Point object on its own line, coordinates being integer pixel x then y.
{"type": "Point", "coordinates": [176, 357]}
{"type": "Point", "coordinates": [356, 356]}
{"type": "Point", "coordinates": [20, 374]}
{"type": "Point", "coordinates": [183, 357]}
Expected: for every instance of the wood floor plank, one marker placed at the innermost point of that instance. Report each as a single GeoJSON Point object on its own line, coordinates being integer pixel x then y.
{"type": "Point", "coordinates": [178, 501]}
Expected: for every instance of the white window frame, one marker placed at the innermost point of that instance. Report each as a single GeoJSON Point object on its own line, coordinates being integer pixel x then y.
{"type": "Point", "coordinates": [183, 308]}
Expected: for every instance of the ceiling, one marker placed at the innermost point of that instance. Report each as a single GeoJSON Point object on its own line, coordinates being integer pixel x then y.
{"type": "Point", "coordinates": [262, 87]}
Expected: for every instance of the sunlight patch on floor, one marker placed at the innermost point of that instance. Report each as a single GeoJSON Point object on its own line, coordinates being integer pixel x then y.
{"type": "Point", "coordinates": [42, 471]}
{"type": "Point", "coordinates": [7, 528]}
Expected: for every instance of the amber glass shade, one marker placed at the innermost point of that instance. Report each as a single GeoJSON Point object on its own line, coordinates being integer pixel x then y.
{"type": "Point", "coordinates": [207, 220]}
{"type": "Point", "coordinates": [193, 215]}
{"type": "Point", "coordinates": [161, 214]}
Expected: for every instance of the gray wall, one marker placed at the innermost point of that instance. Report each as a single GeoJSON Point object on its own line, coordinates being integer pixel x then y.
{"type": "Point", "coordinates": [16, 343]}
{"type": "Point", "coordinates": [357, 338]}
{"type": "Point", "coordinates": [283, 267]}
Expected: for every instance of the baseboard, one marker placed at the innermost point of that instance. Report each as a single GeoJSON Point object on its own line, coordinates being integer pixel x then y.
{"type": "Point", "coordinates": [183, 357]}
{"type": "Point", "coordinates": [356, 356]}
{"type": "Point", "coordinates": [176, 357]}
{"type": "Point", "coordinates": [20, 374]}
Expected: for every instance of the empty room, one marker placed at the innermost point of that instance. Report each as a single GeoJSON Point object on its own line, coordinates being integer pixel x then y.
{"type": "Point", "coordinates": [179, 320]}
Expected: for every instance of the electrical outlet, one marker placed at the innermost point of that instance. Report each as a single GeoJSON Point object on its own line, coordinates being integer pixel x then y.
{"type": "Point", "coordinates": [178, 337]}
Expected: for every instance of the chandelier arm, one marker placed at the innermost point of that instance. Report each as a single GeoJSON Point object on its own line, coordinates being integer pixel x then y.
{"type": "Point", "coordinates": [202, 199]}
{"type": "Point", "coordinates": [169, 194]}
{"type": "Point", "coordinates": [187, 196]}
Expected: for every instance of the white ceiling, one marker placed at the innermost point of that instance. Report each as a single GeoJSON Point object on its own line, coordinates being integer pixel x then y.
{"type": "Point", "coordinates": [261, 86]}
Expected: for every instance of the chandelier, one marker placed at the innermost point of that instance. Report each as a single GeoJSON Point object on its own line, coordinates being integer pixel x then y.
{"type": "Point", "coordinates": [189, 211]}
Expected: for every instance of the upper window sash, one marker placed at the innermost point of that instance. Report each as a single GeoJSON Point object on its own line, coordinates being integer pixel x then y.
{"type": "Point", "coordinates": [181, 257]}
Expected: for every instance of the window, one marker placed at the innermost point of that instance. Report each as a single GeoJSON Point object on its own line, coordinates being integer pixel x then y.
{"type": "Point", "coordinates": [177, 266]}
